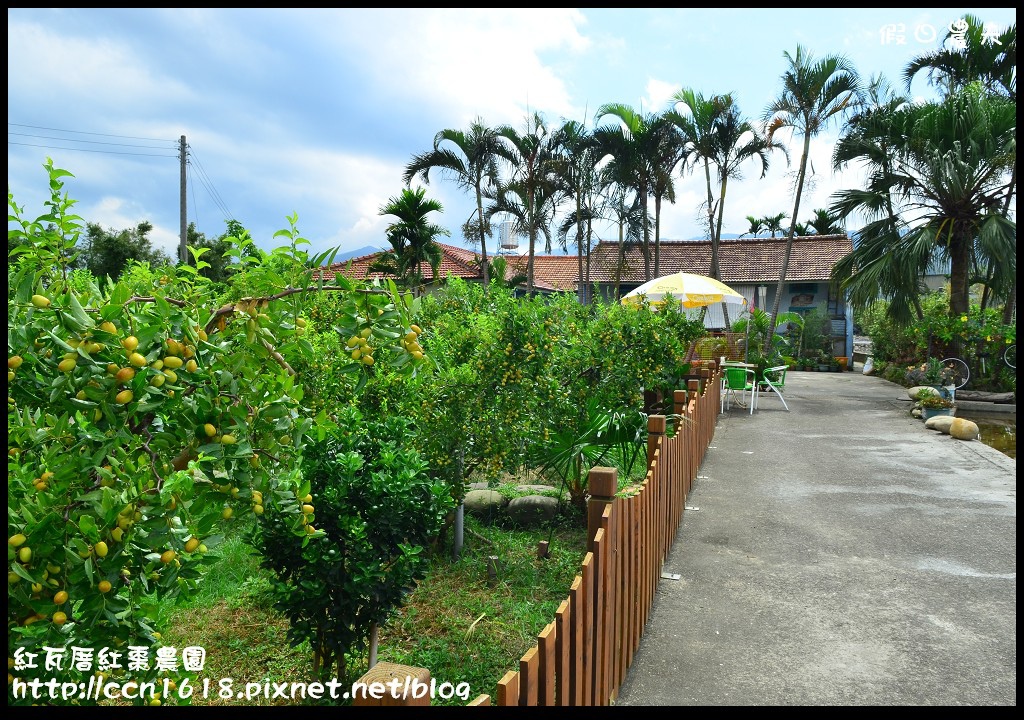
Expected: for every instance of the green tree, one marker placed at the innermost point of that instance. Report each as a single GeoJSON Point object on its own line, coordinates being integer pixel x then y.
{"type": "Point", "coordinates": [412, 236]}
{"type": "Point", "coordinates": [470, 158]}
{"type": "Point", "coordinates": [530, 197]}
{"type": "Point", "coordinates": [579, 182]}
{"type": "Point", "coordinates": [948, 165]}
{"type": "Point", "coordinates": [824, 222]}
{"type": "Point", "coordinates": [993, 63]}
{"type": "Point", "coordinates": [106, 253]}
{"type": "Point", "coordinates": [633, 145]}
{"type": "Point", "coordinates": [814, 93]}
{"type": "Point", "coordinates": [735, 141]}
{"type": "Point", "coordinates": [773, 223]}
{"type": "Point", "coordinates": [756, 226]}
{"type": "Point", "coordinates": [144, 415]}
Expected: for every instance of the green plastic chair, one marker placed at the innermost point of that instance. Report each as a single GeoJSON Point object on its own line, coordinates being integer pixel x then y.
{"type": "Point", "coordinates": [774, 380]}
{"type": "Point", "coordinates": [738, 380]}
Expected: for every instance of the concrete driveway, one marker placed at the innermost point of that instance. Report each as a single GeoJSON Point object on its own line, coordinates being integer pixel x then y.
{"type": "Point", "coordinates": [838, 554]}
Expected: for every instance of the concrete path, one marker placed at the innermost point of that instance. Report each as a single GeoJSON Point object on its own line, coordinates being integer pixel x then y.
{"type": "Point", "coordinates": [838, 554]}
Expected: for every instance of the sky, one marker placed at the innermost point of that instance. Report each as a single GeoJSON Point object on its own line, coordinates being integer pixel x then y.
{"type": "Point", "coordinates": [316, 113]}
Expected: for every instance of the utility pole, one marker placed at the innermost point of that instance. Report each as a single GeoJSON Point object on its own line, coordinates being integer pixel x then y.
{"type": "Point", "coordinates": [183, 247]}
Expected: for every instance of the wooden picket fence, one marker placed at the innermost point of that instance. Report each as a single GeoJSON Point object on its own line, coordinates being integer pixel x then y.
{"type": "Point", "coordinates": [582, 657]}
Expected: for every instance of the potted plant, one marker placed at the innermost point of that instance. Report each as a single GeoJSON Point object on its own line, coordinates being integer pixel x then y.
{"type": "Point", "coordinates": [933, 404]}
{"type": "Point", "coordinates": [824, 364]}
{"type": "Point", "coordinates": [933, 374]}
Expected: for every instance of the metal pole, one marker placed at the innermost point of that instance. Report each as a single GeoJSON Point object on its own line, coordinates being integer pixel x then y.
{"type": "Point", "coordinates": [183, 246]}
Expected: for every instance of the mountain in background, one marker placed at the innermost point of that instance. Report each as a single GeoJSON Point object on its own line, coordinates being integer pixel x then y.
{"type": "Point", "coordinates": [358, 252]}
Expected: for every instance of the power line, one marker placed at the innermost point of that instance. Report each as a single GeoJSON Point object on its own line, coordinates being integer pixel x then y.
{"type": "Point", "coordinates": [91, 142]}
{"type": "Point", "coordinates": [109, 152]}
{"type": "Point", "coordinates": [81, 132]}
{"type": "Point", "coordinates": [208, 183]}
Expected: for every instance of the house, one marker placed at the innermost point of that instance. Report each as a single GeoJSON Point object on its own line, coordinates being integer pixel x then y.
{"type": "Point", "coordinates": [552, 273]}
{"type": "Point", "coordinates": [751, 266]}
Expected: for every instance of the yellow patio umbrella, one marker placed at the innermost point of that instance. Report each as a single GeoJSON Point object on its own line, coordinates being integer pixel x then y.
{"type": "Point", "coordinates": [692, 291]}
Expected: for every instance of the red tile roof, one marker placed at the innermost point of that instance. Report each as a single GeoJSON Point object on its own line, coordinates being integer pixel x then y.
{"type": "Point", "coordinates": [749, 260]}
{"type": "Point", "coordinates": [551, 272]}
{"type": "Point", "coordinates": [753, 260]}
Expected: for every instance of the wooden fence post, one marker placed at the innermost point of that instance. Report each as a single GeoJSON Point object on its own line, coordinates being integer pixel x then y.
{"type": "Point", "coordinates": [603, 483]}
{"type": "Point", "coordinates": [655, 429]}
{"type": "Point", "coordinates": [377, 687]}
{"type": "Point", "coordinates": [678, 405]}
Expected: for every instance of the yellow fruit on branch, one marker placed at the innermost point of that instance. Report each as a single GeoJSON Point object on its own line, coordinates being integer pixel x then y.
{"type": "Point", "coordinates": [101, 549]}
{"type": "Point", "coordinates": [25, 554]}
{"type": "Point", "coordinates": [60, 598]}
{"type": "Point", "coordinates": [228, 439]}
{"type": "Point", "coordinates": [167, 556]}
{"type": "Point", "coordinates": [172, 377]}
{"type": "Point", "coordinates": [137, 359]}
{"type": "Point", "coordinates": [67, 365]}
{"type": "Point", "coordinates": [41, 301]}
{"type": "Point", "coordinates": [108, 327]}
{"type": "Point", "coordinates": [130, 343]}
{"type": "Point", "coordinates": [192, 545]}
{"type": "Point", "coordinates": [227, 513]}
{"type": "Point", "coordinates": [14, 362]}
{"type": "Point", "coordinates": [124, 397]}
{"type": "Point", "coordinates": [104, 586]}
{"type": "Point", "coordinates": [191, 366]}
{"type": "Point", "coordinates": [59, 618]}
{"type": "Point", "coordinates": [125, 375]}
{"type": "Point", "coordinates": [173, 362]}
{"type": "Point", "coordinates": [16, 540]}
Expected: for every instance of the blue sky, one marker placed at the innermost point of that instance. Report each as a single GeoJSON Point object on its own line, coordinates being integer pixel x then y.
{"type": "Point", "coordinates": [316, 112]}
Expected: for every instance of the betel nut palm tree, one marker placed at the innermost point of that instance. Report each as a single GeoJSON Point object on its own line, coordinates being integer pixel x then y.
{"type": "Point", "coordinates": [633, 145]}
{"type": "Point", "coordinates": [470, 158]}
{"type": "Point", "coordinates": [530, 196]}
{"type": "Point", "coordinates": [814, 94]}
{"type": "Point", "coordinates": [413, 237]}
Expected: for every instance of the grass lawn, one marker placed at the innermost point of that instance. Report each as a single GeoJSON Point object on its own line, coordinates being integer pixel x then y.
{"type": "Point", "coordinates": [458, 623]}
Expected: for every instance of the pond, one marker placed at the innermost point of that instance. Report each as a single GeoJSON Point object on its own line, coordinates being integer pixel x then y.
{"type": "Point", "coordinates": [997, 431]}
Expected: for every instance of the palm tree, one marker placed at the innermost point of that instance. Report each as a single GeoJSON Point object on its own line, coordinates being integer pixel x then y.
{"type": "Point", "coordinates": [824, 222]}
{"type": "Point", "coordinates": [947, 169]}
{"type": "Point", "coordinates": [634, 148]}
{"type": "Point", "coordinates": [814, 92]}
{"type": "Point", "coordinates": [578, 181]}
{"type": "Point", "coordinates": [412, 237]}
{"type": "Point", "coordinates": [629, 220]}
{"type": "Point", "coordinates": [697, 127]}
{"type": "Point", "coordinates": [773, 223]}
{"type": "Point", "coordinates": [756, 226]}
{"type": "Point", "coordinates": [531, 195]}
{"type": "Point", "coordinates": [979, 59]}
{"type": "Point", "coordinates": [470, 158]}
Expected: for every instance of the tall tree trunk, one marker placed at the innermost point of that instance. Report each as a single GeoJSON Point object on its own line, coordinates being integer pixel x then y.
{"type": "Point", "coordinates": [581, 289]}
{"type": "Point", "coordinates": [789, 239]}
{"type": "Point", "coordinates": [622, 261]}
{"type": "Point", "coordinates": [483, 239]}
{"type": "Point", "coordinates": [657, 236]}
{"type": "Point", "coordinates": [1011, 296]}
{"type": "Point", "coordinates": [533, 243]}
{"type": "Point", "coordinates": [959, 254]}
{"type": "Point", "coordinates": [647, 234]}
{"type": "Point", "coordinates": [590, 230]}
{"type": "Point", "coordinates": [716, 271]}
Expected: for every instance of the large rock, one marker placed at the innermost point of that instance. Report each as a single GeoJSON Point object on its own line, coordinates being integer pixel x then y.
{"type": "Point", "coordinates": [484, 503]}
{"type": "Point", "coordinates": [532, 510]}
{"type": "Point", "coordinates": [912, 392]}
{"type": "Point", "coordinates": [963, 429]}
{"type": "Point", "coordinates": [940, 423]}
